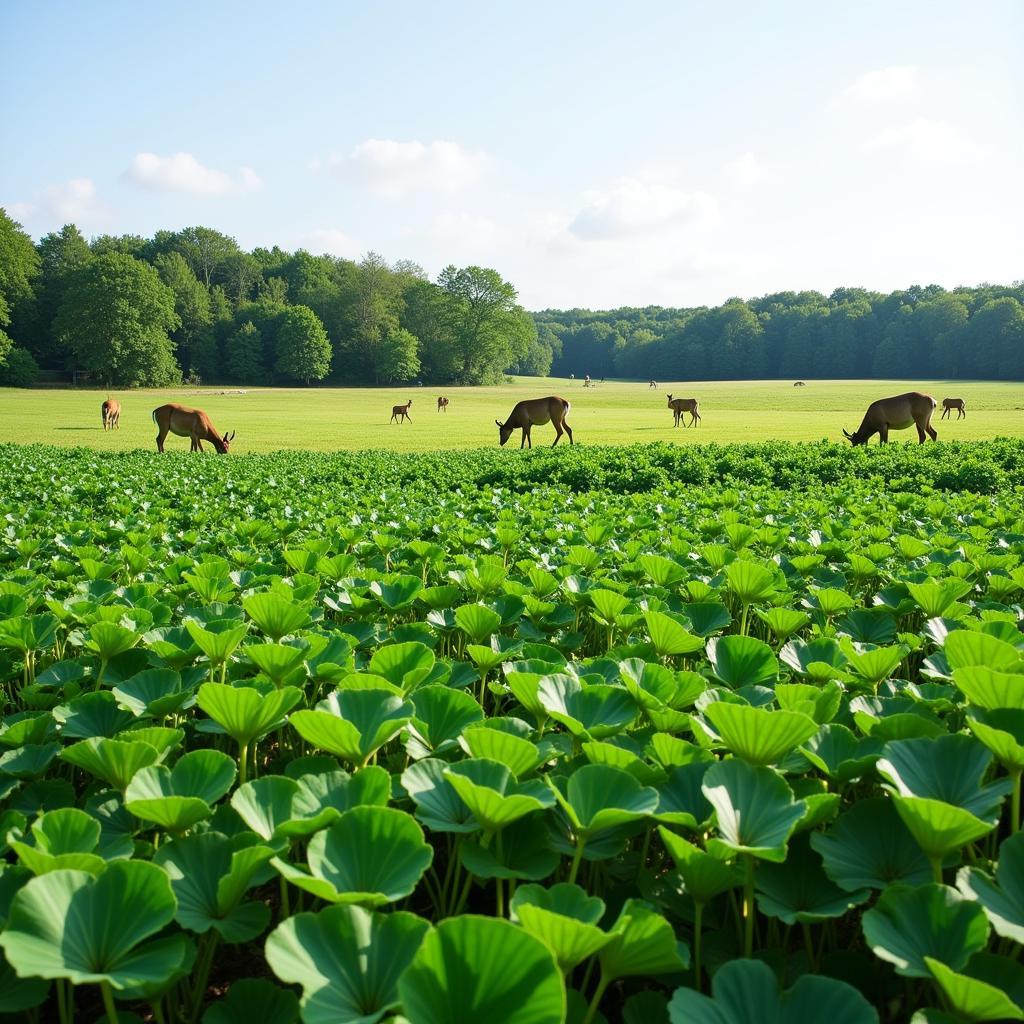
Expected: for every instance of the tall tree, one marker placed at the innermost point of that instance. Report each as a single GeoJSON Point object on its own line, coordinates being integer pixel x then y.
{"type": "Point", "coordinates": [114, 319]}
{"type": "Point", "coordinates": [61, 254]}
{"type": "Point", "coordinates": [303, 350]}
{"type": "Point", "coordinates": [206, 250]}
{"type": "Point", "coordinates": [243, 356]}
{"type": "Point", "coordinates": [488, 330]}
{"type": "Point", "coordinates": [19, 265]}
{"type": "Point", "coordinates": [399, 360]}
{"type": "Point", "coordinates": [191, 302]}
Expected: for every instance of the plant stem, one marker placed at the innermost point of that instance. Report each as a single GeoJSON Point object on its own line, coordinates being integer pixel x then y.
{"type": "Point", "coordinates": [643, 852]}
{"type": "Point", "coordinates": [285, 909]}
{"type": "Point", "coordinates": [203, 975]}
{"type": "Point", "coordinates": [936, 863]}
{"type": "Point", "coordinates": [1015, 805]}
{"type": "Point", "coordinates": [108, 1003]}
{"type": "Point", "coordinates": [698, 917]}
{"type": "Point", "coordinates": [748, 905]}
{"type": "Point", "coordinates": [243, 763]}
{"type": "Point", "coordinates": [581, 842]}
{"type": "Point", "coordinates": [595, 1002]}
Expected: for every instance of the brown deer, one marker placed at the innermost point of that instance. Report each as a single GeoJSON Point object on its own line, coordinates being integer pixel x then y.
{"type": "Point", "coordinates": [684, 405]}
{"type": "Point", "coordinates": [111, 412]}
{"type": "Point", "coordinates": [533, 411]}
{"type": "Point", "coordinates": [653, 384]}
{"type": "Point", "coordinates": [897, 413]}
{"type": "Point", "coordinates": [192, 423]}
{"type": "Point", "coordinates": [401, 412]}
{"type": "Point", "coordinates": [442, 403]}
{"type": "Point", "coordinates": [949, 404]}
{"type": "Point", "coordinates": [799, 384]}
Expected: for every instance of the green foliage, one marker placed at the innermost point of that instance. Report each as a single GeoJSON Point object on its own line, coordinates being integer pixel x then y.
{"type": "Point", "coordinates": [114, 319]}
{"type": "Point", "coordinates": [303, 350]}
{"type": "Point", "coordinates": [404, 703]}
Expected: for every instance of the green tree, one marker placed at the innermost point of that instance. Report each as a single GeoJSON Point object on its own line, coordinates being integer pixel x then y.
{"type": "Point", "coordinates": [399, 360]}
{"type": "Point", "coordinates": [488, 330]}
{"type": "Point", "coordinates": [243, 355]}
{"type": "Point", "coordinates": [114, 320]}
{"type": "Point", "coordinates": [19, 265]}
{"type": "Point", "coordinates": [206, 250]}
{"type": "Point", "coordinates": [20, 370]}
{"type": "Point", "coordinates": [62, 254]}
{"type": "Point", "coordinates": [303, 349]}
{"type": "Point", "coordinates": [191, 302]}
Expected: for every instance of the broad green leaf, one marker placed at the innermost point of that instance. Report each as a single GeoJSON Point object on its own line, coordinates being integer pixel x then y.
{"type": "Point", "coordinates": [347, 960]}
{"type": "Point", "coordinates": [478, 970]}
{"type": "Point", "coordinates": [907, 925]}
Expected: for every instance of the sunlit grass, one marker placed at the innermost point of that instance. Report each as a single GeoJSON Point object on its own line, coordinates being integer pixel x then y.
{"type": "Point", "coordinates": [612, 412]}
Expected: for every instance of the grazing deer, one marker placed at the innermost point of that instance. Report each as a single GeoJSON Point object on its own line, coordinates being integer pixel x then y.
{"type": "Point", "coordinates": [684, 405]}
{"type": "Point", "coordinates": [193, 423]}
{"type": "Point", "coordinates": [536, 411]}
{"type": "Point", "coordinates": [896, 413]}
{"type": "Point", "coordinates": [653, 384]}
{"type": "Point", "coordinates": [799, 384]}
{"type": "Point", "coordinates": [401, 412]}
{"type": "Point", "coordinates": [442, 403]}
{"type": "Point", "coordinates": [949, 404]}
{"type": "Point", "coordinates": [111, 411]}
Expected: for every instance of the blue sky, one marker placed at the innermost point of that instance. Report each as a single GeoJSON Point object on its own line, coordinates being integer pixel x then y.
{"type": "Point", "coordinates": [596, 154]}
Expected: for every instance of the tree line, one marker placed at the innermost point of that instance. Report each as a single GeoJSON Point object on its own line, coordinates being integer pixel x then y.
{"type": "Point", "coordinates": [192, 305]}
{"type": "Point", "coordinates": [924, 332]}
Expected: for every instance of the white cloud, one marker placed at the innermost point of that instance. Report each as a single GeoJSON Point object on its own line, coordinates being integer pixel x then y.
{"type": "Point", "coordinates": [333, 242]}
{"type": "Point", "coordinates": [21, 211]}
{"type": "Point", "coordinates": [182, 172]}
{"type": "Point", "coordinates": [746, 169]}
{"type": "Point", "coordinates": [395, 169]}
{"type": "Point", "coordinates": [74, 200]}
{"type": "Point", "coordinates": [925, 139]}
{"type": "Point", "coordinates": [884, 83]}
{"type": "Point", "coordinates": [632, 207]}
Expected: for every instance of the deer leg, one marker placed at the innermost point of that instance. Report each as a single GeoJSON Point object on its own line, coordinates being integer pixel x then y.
{"type": "Point", "coordinates": [961, 413]}
{"type": "Point", "coordinates": [558, 432]}
{"type": "Point", "coordinates": [696, 418]}
{"type": "Point", "coordinates": [568, 430]}
{"type": "Point", "coordinates": [945, 413]}
{"type": "Point", "coordinates": [932, 433]}
{"type": "Point", "coordinates": [883, 435]}
{"type": "Point", "coordinates": [160, 440]}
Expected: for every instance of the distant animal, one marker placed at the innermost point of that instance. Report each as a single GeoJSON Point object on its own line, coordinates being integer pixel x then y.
{"type": "Point", "coordinates": [111, 412]}
{"type": "Point", "coordinates": [442, 403]}
{"type": "Point", "coordinates": [897, 413]}
{"type": "Point", "coordinates": [799, 384]}
{"type": "Point", "coordinates": [572, 376]}
{"type": "Point", "coordinates": [949, 404]}
{"type": "Point", "coordinates": [653, 384]}
{"type": "Point", "coordinates": [586, 381]}
{"type": "Point", "coordinates": [192, 423]}
{"type": "Point", "coordinates": [679, 406]}
{"type": "Point", "coordinates": [532, 411]}
{"type": "Point", "coordinates": [401, 412]}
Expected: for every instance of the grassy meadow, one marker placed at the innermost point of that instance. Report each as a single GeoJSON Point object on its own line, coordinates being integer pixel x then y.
{"type": "Point", "coordinates": [267, 419]}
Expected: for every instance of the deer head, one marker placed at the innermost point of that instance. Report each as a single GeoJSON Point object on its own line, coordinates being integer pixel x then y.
{"type": "Point", "coordinates": [504, 431]}
{"type": "Point", "coordinates": [225, 442]}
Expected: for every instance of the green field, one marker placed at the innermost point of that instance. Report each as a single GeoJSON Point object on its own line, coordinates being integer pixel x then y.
{"type": "Point", "coordinates": [267, 419]}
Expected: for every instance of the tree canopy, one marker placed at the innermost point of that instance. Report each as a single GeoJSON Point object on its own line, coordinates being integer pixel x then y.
{"type": "Point", "coordinates": [270, 316]}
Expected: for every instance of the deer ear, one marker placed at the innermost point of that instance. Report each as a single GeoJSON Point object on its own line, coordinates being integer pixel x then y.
{"type": "Point", "coordinates": [498, 422]}
{"type": "Point", "coordinates": [847, 434]}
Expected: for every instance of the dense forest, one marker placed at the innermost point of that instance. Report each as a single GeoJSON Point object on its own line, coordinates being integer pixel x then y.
{"type": "Point", "coordinates": [920, 332]}
{"type": "Point", "coordinates": [192, 305]}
